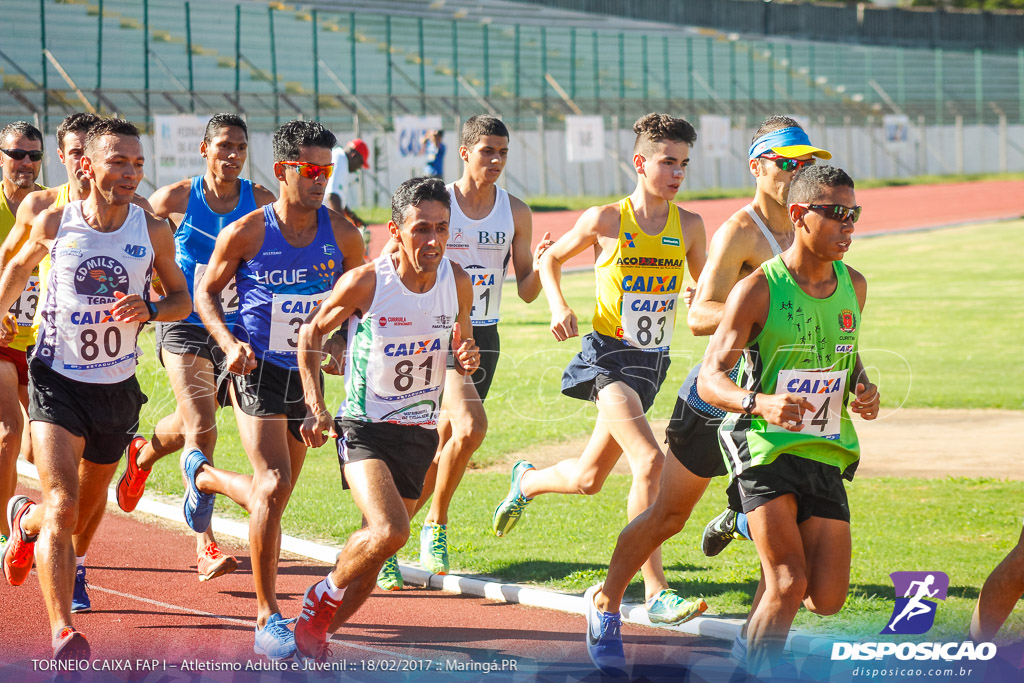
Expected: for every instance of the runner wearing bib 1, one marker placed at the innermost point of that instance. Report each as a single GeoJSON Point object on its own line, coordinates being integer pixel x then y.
{"type": "Point", "coordinates": [808, 347]}
{"type": "Point", "coordinates": [484, 248]}
{"type": "Point", "coordinates": [638, 288]}
{"type": "Point", "coordinates": [277, 290]}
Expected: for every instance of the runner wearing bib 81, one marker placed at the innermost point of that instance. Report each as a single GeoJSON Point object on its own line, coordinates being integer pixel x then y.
{"type": "Point", "coordinates": [489, 229]}
{"type": "Point", "coordinates": [789, 441]}
{"type": "Point", "coordinates": [641, 245]}
{"type": "Point", "coordinates": [285, 258]}
{"type": "Point", "coordinates": [200, 207]}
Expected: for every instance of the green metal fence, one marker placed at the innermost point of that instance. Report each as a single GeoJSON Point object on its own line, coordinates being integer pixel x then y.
{"type": "Point", "coordinates": [275, 62]}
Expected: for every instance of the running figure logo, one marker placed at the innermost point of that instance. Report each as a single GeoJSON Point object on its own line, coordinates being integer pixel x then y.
{"type": "Point", "coordinates": [914, 612]}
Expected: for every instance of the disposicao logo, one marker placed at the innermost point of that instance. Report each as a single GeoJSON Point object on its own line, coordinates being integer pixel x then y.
{"type": "Point", "coordinates": [914, 612]}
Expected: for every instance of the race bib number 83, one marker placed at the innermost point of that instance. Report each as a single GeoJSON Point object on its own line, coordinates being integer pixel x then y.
{"type": "Point", "coordinates": [648, 320]}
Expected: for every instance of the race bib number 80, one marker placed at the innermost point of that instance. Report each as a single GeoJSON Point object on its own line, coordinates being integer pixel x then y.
{"type": "Point", "coordinates": [824, 390]}
{"type": "Point", "coordinates": [288, 312]}
{"type": "Point", "coordinates": [648, 319]}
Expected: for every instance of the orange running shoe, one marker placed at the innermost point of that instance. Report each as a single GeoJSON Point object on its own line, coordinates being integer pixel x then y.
{"type": "Point", "coordinates": [19, 553]}
{"type": "Point", "coordinates": [213, 563]}
{"type": "Point", "coordinates": [311, 627]}
{"type": "Point", "coordinates": [132, 484]}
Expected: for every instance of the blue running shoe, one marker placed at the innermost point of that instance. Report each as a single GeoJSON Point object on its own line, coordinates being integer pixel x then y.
{"type": "Point", "coordinates": [275, 640]}
{"type": "Point", "coordinates": [198, 505]}
{"type": "Point", "coordinates": [511, 509]}
{"type": "Point", "coordinates": [604, 637]}
{"type": "Point", "coordinates": [80, 598]}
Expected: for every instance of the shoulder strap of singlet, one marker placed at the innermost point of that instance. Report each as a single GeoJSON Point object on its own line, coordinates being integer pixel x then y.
{"type": "Point", "coordinates": [776, 249]}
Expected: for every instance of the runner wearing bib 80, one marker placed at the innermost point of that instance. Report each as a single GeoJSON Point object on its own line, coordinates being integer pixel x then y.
{"type": "Point", "coordinates": [200, 207]}
{"type": "Point", "coordinates": [97, 469]}
{"type": "Point", "coordinates": [85, 398]}
{"type": "Point", "coordinates": [410, 307]}
{"type": "Point", "coordinates": [489, 229]}
{"type": "Point", "coordinates": [788, 440]}
{"type": "Point", "coordinates": [284, 258]}
{"type": "Point", "coordinates": [641, 245]}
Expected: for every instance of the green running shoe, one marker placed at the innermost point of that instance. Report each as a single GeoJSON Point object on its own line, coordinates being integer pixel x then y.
{"type": "Point", "coordinates": [668, 608]}
{"type": "Point", "coordinates": [511, 509]}
{"type": "Point", "coordinates": [434, 548]}
{"type": "Point", "coordinates": [390, 577]}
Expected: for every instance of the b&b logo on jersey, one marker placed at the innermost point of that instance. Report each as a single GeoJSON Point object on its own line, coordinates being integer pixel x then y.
{"type": "Point", "coordinates": [914, 612]}
{"type": "Point", "coordinates": [101, 276]}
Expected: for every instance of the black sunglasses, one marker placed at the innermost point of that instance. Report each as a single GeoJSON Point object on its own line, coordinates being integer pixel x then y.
{"type": "Point", "coordinates": [836, 212]}
{"type": "Point", "coordinates": [19, 154]}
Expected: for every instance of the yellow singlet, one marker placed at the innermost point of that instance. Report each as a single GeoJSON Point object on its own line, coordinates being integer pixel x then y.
{"type": "Point", "coordinates": [26, 306]}
{"type": "Point", "coordinates": [638, 283]}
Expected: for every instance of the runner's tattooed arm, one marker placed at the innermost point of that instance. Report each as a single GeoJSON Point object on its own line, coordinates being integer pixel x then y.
{"type": "Point", "coordinates": [746, 311]}
{"type": "Point", "coordinates": [351, 295]}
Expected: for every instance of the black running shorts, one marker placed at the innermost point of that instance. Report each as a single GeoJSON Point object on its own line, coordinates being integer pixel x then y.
{"type": "Point", "coordinates": [818, 487]}
{"type": "Point", "coordinates": [407, 450]}
{"type": "Point", "coordinates": [183, 339]}
{"type": "Point", "coordinates": [105, 415]}
{"type": "Point", "coordinates": [270, 390]}
{"type": "Point", "coordinates": [692, 436]}
{"type": "Point", "coordinates": [486, 338]}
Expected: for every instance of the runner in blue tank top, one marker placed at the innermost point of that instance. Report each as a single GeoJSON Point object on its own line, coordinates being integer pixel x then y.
{"type": "Point", "coordinates": [285, 259]}
{"type": "Point", "coordinates": [200, 207]}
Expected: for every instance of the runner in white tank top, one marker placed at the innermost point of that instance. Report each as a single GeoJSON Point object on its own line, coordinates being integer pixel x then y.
{"type": "Point", "coordinates": [489, 229]}
{"type": "Point", "coordinates": [82, 388]}
{"type": "Point", "coordinates": [407, 305]}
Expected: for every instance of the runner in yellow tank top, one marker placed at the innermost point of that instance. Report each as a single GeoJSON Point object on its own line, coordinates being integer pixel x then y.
{"type": "Point", "coordinates": [94, 478]}
{"type": "Point", "coordinates": [638, 282]}
{"type": "Point", "coordinates": [622, 372]}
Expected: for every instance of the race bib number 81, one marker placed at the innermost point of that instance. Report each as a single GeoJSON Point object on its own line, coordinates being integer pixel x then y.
{"type": "Point", "coordinates": [405, 366]}
{"type": "Point", "coordinates": [824, 390]}
{"type": "Point", "coordinates": [648, 320]}
{"type": "Point", "coordinates": [288, 312]}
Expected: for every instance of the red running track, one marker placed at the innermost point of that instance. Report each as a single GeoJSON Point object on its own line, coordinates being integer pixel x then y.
{"type": "Point", "coordinates": [148, 606]}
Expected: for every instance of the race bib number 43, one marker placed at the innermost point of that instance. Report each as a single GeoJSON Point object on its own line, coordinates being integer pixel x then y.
{"type": "Point", "coordinates": [288, 312]}
{"type": "Point", "coordinates": [648, 319]}
{"type": "Point", "coordinates": [24, 309]}
{"type": "Point", "coordinates": [824, 390]}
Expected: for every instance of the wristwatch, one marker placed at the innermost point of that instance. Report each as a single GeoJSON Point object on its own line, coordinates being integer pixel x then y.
{"type": "Point", "coordinates": [748, 403]}
{"type": "Point", "coordinates": [151, 307]}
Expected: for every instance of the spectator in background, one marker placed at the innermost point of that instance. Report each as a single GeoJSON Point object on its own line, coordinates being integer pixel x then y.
{"type": "Point", "coordinates": [347, 160]}
{"type": "Point", "coordinates": [433, 148]}
{"type": "Point", "coordinates": [333, 202]}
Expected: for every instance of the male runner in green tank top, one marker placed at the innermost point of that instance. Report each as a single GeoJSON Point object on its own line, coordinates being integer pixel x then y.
{"type": "Point", "coordinates": [789, 441]}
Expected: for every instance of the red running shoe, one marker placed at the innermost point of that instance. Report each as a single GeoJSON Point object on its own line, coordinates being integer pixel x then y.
{"type": "Point", "coordinates": [311, 627]}
{"type": "Point", "coordinates": [132, 484]}
{"type": "Point", "coordinates": [19, 553]}
{"type": "Point", "coordinates": [213, 563]}
{"type": "Point", "coordinates": [70, 645]}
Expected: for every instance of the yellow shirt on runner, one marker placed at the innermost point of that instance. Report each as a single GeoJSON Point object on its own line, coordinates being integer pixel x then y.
{"type": "Point", "coordinates": [638, 283]}
{"type": "Point", "coordinates": [25, 307]}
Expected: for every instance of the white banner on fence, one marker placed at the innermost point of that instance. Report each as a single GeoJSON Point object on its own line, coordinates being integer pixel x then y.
{"type": "Point", "coordinates": [897, 130]}
{"type": "Point", "coordinates": [584, 138]}
{"type": "Point", "coordinates": [410, 130]}
{"type": "Point", "coordinates": [176, 145]}
{"type": "Point", "coordinates": [714, 136]}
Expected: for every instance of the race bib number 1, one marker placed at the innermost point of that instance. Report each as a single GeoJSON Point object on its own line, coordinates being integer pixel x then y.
{"type": "Point", "coordinates": [288, 312]}
{"type": "Point", "coordinates": [486, 295]}
{"type": "Point", "coordinates": [228, 295]}
{"type": "Point", "coordinates": [648, 319]}
{"type": "Point", "coordinates": [825, 391]}
{"type": "Point", "coordinates": [24, 308]}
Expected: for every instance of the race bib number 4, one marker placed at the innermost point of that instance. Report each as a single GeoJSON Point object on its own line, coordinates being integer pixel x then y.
{"type": "Point", "coordinates": [486, 295]}
{"type": "Point", "coordinates": [228, 295]}
{"type": "Point", "coordinates": [24, 309]}
{"type": "Point", "coordinates": [648, 319]}
{"type": "Point", "coordinates": [288, 312]}
{"type": "Point", "coordinates": [824, 390]}
{"type": "Point", "coordinates": [406, 366]}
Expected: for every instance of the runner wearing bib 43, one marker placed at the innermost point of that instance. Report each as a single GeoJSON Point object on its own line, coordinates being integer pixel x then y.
{"type": "Point", "coordinates": [788, 439]}
{"type": "Point", "coordinates": [201, 207]}
{"type": "Point", "coordinates": [641, 245]}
